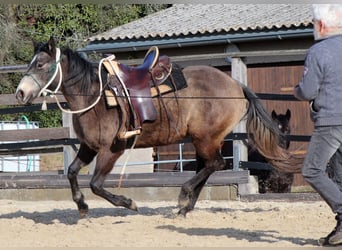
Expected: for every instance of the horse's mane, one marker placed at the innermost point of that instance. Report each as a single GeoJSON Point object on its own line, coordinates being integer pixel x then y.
{"type": "Point", "coordinates": [79, 69]}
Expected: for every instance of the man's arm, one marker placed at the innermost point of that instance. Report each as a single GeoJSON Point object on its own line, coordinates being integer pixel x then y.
{"type": "Point", "coordinates": [308, 87]}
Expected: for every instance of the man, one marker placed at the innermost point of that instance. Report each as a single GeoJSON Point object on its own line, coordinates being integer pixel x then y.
{"type": "Point", "coordinates": [321, 85]}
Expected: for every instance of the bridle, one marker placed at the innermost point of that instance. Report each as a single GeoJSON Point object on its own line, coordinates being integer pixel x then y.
{"type": "Point", "coordinates": [53, 93]}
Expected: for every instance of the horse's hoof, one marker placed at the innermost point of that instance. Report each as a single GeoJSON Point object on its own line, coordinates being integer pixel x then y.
{"type": "Point", "coordinates": [182, 212]}
{"type": "Point", "coordinates": [83, 213]}
{"type": "Point", "coordinates": [133, 206]}
{"type": "Point", "coordinates": [83, 209]}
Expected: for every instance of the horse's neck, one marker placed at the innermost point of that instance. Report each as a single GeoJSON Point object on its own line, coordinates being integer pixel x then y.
{"type": "Point", "coordinates": [78, 89]}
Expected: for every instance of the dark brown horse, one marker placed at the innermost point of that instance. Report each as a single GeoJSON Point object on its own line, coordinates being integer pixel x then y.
{"type": "Point", "coordinates": [207, 110]}
{"type": "Point", "coordinates": [273, 180]}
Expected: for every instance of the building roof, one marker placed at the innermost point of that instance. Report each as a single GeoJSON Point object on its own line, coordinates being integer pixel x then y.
{"type": "Point", "coordinates": [183, 20]}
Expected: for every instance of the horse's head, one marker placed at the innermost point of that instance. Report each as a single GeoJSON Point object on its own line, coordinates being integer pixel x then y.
{"type": "Point", "coordinates": [42, 73]}
{"type": "Point", "coordinates": [283, 121]}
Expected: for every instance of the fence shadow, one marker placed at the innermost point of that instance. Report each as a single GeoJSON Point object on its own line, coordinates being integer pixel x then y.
{"type": "Point", "coordinates": [71, 216]}
{"type": "Point", "coordinates": [269, 236]}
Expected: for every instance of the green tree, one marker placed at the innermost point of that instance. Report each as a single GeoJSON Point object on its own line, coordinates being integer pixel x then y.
{"type": "Point", "coordinates": [70, 24]}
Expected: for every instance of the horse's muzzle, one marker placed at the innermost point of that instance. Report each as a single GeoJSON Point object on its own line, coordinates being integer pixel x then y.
{"type": "Point", "coordinates": [22, 97]}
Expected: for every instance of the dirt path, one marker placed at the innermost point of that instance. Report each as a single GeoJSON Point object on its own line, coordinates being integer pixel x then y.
{"type": "Point", "coordinates": [211, 224]}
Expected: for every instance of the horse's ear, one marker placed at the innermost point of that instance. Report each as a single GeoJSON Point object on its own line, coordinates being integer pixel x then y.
{"type": "Point", "coordinates": [52, 45]}
{"type": "Point", "coordinates": [288, 114]}
{"type": "Point", "coordinates": [274, 115]}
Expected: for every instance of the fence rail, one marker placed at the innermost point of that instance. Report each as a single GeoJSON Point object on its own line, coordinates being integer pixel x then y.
{"type": "Point", "coordinates": [47, 140]}
{"type": "Point", "coordinates": [157, 179]}
{"type": "Point", "coordinates": [53, 139]}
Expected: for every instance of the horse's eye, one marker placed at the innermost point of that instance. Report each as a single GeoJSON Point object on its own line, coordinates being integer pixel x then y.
{"type": "Point", "coordinates": [40, 65]}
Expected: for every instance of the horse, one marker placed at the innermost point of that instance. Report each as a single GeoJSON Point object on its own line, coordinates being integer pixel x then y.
{"type": "Point", "coordinates": [206, 111]}
{"type": "Point", "coordinates": [273, 180]}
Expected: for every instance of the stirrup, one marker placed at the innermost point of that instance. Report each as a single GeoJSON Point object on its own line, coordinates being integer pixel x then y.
{"type": "Point", "coordinates": [128, 134]}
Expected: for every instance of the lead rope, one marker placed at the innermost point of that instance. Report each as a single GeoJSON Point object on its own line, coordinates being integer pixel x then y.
{"type": "Point", "coordinates": [126, 161]}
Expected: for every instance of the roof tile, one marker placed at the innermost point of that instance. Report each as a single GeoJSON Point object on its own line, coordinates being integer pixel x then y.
{"type": "Point", "coordinates": [198, 19]}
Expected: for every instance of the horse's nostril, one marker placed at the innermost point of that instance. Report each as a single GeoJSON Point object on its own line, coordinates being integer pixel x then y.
{"type": "Point", "coordinates": [20, 95]}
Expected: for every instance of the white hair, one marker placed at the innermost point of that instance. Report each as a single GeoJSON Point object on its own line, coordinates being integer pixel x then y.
{"type": "Point", "coordinates": [330, 14]}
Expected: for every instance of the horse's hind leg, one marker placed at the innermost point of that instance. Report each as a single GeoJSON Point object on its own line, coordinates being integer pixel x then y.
{"type": "Point", "coordinates": [191, 189]}
{"type": "Point", "coordinates": [186, 196]}
{"type": "Point", "coordinates": [84, 156]}
{"type": "Point", "coordinates": [104, 164]}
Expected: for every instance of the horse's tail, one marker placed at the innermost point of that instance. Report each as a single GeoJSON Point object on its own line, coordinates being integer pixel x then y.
{"type": "Point", "coordinates": [264, 135]}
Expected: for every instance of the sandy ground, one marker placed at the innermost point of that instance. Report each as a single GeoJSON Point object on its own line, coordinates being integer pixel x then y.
{"type": "Point", "coordinates": [211, 224]}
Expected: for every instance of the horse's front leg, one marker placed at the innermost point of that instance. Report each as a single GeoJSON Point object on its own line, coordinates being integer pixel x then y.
{"type": "Point", "coordinates": [104, 164]}
{"type": "Point", "coordinates": [84, 156]}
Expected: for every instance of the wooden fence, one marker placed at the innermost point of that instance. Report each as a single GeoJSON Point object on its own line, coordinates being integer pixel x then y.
{"type": "Point", "coordinates": [47, 140]}
{"type": "Point", "coordinates": [44, 140]}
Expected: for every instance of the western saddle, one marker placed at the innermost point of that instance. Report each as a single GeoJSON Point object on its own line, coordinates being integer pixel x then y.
{"type": "Point", "coordinates": [138, 85]}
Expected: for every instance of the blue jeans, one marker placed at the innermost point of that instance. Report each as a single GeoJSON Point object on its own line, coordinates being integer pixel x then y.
{"type": "Point", "coordinates": [325, 144]}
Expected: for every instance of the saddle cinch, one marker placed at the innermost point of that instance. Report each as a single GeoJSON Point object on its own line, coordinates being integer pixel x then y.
{"type": "Point", "coordinates": [137, 85]}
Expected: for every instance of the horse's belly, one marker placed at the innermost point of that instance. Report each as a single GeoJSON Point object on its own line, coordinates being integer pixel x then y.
{"type": "Point", "coordinates": [158, 135]}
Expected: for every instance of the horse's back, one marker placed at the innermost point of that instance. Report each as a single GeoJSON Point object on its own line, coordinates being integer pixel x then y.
{"type": "Point", "coordinates": [211, 106]}
{"type": "Point", "coordinates": [211, 84]}
{"type": "Point", "coordinates": [220, 98]}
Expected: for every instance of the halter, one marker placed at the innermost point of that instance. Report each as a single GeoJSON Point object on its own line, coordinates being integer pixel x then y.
{"type": "Point", "coordinates": [58, 67]}
{"type": "Point", "coordinates": [45, 91]}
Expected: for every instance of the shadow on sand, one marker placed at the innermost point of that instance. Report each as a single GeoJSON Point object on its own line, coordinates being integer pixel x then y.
{"type": "Point", "coordinates": [72, 217]}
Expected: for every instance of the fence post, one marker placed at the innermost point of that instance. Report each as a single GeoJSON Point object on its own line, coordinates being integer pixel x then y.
{"type": "Point", "coordinates": [239, 72]}
{"type": "Point", "coordinates": [68, 152]}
